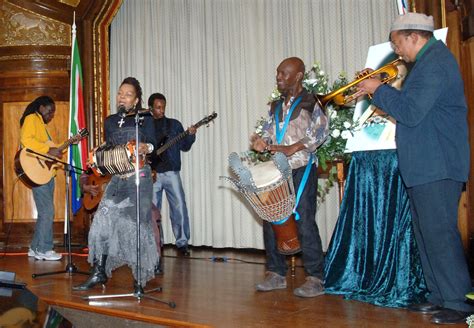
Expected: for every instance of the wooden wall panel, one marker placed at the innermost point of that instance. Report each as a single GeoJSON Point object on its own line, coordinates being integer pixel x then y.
{"type": "Point", "coordinates": [467, 68]}
{"type": "Point", "coordinates": [18, 199]}
{"type": "Point", "coordinates": [34, 61]}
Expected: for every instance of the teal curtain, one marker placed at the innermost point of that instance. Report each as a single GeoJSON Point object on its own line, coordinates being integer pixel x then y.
{"type": "Point", "coordinates": [372, 256]}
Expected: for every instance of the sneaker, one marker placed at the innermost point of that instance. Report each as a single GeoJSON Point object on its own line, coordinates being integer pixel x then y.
{"type": "Point", "coordinates": [272, 281]}
{"type": "Point", "coordinates": [48, 256]}
{"type": "Point", "coordinates": [184, 251]}
{"type": "Point", "coordinates": [311, 288]}
{"type": "Point", "coordinates": [31, 253]}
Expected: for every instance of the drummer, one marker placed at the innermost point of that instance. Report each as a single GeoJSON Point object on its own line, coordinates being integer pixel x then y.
{"type": "Point", "coordinates": [296, 126]}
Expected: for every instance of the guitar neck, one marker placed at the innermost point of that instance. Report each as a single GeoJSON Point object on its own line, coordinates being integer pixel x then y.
{"type": "Point", "coordinates": [66, 144]}
{"type": "Point", "coordinates": [83, 133]}
{"type": "Point", "coordinates": [173, 141]}
{"type": "Point", "coordinates": [183, 134]}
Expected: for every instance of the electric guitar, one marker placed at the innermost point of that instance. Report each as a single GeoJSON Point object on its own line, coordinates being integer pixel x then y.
{"type": "Point", "coordinates": [36, 170]}
{"type": "Point", "coordinates": [179, 137]}
{"type": "Point", "coordinates": [90, 202]}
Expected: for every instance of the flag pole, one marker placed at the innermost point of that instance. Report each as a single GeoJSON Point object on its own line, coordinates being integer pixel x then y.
{"type": "Point", "coordinates": [68, 171]}
{"type": "Point", "coordinates": [73, 38]}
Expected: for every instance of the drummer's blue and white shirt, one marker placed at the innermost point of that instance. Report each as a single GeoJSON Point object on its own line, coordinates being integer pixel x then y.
{"type": "Point", "coordinates": [308, 124]}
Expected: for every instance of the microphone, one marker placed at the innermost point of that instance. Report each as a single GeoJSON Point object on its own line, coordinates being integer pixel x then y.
{"type": "Point", "coordinates": [144, 112]}
{"type": "Point", "coordinates": [122, 111]}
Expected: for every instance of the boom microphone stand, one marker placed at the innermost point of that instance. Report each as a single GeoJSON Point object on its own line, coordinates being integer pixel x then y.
{"type": "Point", "coordinates": [70, 267]}
{"type": "Point", "coordinates": [138, 292]}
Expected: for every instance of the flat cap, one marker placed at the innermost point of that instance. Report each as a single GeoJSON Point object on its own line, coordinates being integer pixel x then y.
{"type": "Point", "coordinates": [413, 21]}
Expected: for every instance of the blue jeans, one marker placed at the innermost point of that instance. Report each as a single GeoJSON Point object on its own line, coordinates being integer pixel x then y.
{"type": "Point", "coordinates": [308, 232]}
{"type": "Point", "coordinates": [171, 183]}
{"type": "Point", "coordinates": [44, 199]}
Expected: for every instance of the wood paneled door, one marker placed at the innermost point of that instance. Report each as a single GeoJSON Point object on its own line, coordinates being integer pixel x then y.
{"type": "Point", "coordinates": [19, 206]}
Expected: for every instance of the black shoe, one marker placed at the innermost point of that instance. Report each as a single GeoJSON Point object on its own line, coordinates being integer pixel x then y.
{"type": "Point", "coordinates": [159, 268]}
{"type": "Point", "coordinates": [449, 317]}
{"type": "Point", "coordinates": [97, 276]}
{"type": "Point", "coordinates": [425, 308]}
{"type": "Point", "coordinates": [158, 271]}
{"type": "Point", "coordinates": [184, 251]}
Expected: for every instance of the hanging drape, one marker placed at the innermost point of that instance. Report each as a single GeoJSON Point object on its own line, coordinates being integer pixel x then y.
{"type": "Point", "coordinates": [372, 256]}
{"type": "Point", "coordinates": [221, 55]}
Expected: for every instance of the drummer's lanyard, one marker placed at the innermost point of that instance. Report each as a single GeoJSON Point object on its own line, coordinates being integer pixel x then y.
{"type": "Point", "coordinates": [281, 133]}
{"type": "Point", "coordinates": [279, 138]}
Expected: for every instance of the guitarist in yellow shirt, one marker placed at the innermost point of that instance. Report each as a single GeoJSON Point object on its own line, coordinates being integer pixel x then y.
{"type": "Point", "coordinates": [34, 135]}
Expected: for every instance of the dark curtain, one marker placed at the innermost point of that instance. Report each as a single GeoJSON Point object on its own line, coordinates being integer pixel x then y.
{"type": "Point", "coordinates": [372, 256]}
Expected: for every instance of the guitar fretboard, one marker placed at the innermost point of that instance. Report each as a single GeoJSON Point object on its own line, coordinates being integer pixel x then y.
{"type": "Point", "coordinates": [81, 134]}
{"type": "Point", "coordinates": [180, 136]}
{"type": "Point", "coordinates": [173, 142]}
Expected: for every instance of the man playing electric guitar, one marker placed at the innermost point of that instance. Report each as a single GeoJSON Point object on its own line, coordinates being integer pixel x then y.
{"type": "Point", "coordinates": [35, 136]}
{"type": "Point", "coordinates": [167, 166]}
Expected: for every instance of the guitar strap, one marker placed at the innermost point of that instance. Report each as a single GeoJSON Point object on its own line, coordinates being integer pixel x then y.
{"type": "Point", "coordinates": [164, 137]}
{"type": "Point", "coordinates": [163, 134]}
{"type": "Point", "coordinates": [168, 127]}
{"type": "Point", "coordinates": [49, 136]}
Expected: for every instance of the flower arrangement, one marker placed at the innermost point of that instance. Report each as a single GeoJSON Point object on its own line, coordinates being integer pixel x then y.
{"type": "Point", "coordinates": [470, 321]}
{"type": "Point", "coordinates": [341, 123]}
{"type": "Point", "coordinates": [341, 126]}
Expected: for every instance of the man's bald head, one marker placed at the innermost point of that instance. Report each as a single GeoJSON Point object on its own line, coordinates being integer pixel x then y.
{"type": "Point", "coordinates": [290, 74]}
{"type": "Point", "coordinates": [295, 62]}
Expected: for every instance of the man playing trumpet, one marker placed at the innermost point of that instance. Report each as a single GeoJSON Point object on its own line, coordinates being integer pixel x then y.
{"type": "Point", "coordinates": [433, 151]}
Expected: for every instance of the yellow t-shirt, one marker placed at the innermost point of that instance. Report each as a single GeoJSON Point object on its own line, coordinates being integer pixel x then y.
{"type": "Point", "coordinates": [34, 134]}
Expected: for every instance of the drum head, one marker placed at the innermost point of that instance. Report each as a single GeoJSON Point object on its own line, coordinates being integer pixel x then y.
{"type": "Point", "coordinates": [265, 174]}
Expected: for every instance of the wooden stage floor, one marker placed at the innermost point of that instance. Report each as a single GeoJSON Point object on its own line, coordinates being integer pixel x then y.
{"type": "Point", "coordinates": [206, 293]}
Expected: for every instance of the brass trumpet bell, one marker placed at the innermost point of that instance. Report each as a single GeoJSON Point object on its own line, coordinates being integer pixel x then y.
{"type": "Point", "coordinates": [345, 94]}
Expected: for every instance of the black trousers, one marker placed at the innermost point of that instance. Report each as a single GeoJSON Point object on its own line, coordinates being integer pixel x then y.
{"type": "Point", "coordinates": [434, 208]}
{"type": "Point", "coordinates": [308, 232]}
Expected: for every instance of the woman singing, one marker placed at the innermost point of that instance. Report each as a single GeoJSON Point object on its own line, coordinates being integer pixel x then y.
{"type": "Point", "coordinates": [112, 236]}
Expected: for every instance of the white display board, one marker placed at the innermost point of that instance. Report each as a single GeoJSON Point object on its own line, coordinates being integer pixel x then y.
{"type": "Point", "coordinates": [376, 130]}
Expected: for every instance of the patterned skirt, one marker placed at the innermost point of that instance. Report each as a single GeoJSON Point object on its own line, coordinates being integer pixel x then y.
{"type": "Point", "coordinates": [114, 228]}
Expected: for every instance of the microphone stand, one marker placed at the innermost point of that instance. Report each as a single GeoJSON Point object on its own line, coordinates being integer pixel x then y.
{"type": "Point", "coordinates": [138, 292]}
{"type": "Point", "coordinates": [70, 267]}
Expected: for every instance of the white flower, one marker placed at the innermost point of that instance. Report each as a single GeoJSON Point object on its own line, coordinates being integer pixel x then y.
{"type": "Point", "coordinates": [275, 94]}
{"type": "Point", "coordinates": [345, 134]}
{"type": "Point", "coordinates": [335, 133]}
{"type": "Point", "coordinates": [347, 125]}
{"type": "Point", "coordinates": [310, 81]}
{"type": "Point", "coordinates": [470, 320]}
{"type": "Point", "coordinates": [333, 114]}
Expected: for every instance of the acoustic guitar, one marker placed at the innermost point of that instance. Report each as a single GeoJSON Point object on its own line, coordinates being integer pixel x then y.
{"type": "Point", "coordinates": [36, 170]}
{"type": "Point", "coordinates": [179, 137]}
{"type": "Point", "coordinates": [89, 201]}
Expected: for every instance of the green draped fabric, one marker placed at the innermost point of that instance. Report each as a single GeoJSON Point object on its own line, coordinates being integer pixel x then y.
{"type": "Point", "coordinates": [372, 256]}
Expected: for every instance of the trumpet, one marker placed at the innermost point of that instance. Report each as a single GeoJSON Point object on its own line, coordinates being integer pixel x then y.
{"type": "Point", "coordinates": [345, 94]}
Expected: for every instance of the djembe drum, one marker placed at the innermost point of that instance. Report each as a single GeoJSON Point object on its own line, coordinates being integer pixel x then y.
{"type": "Point", "coordinates": [268, 187]}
